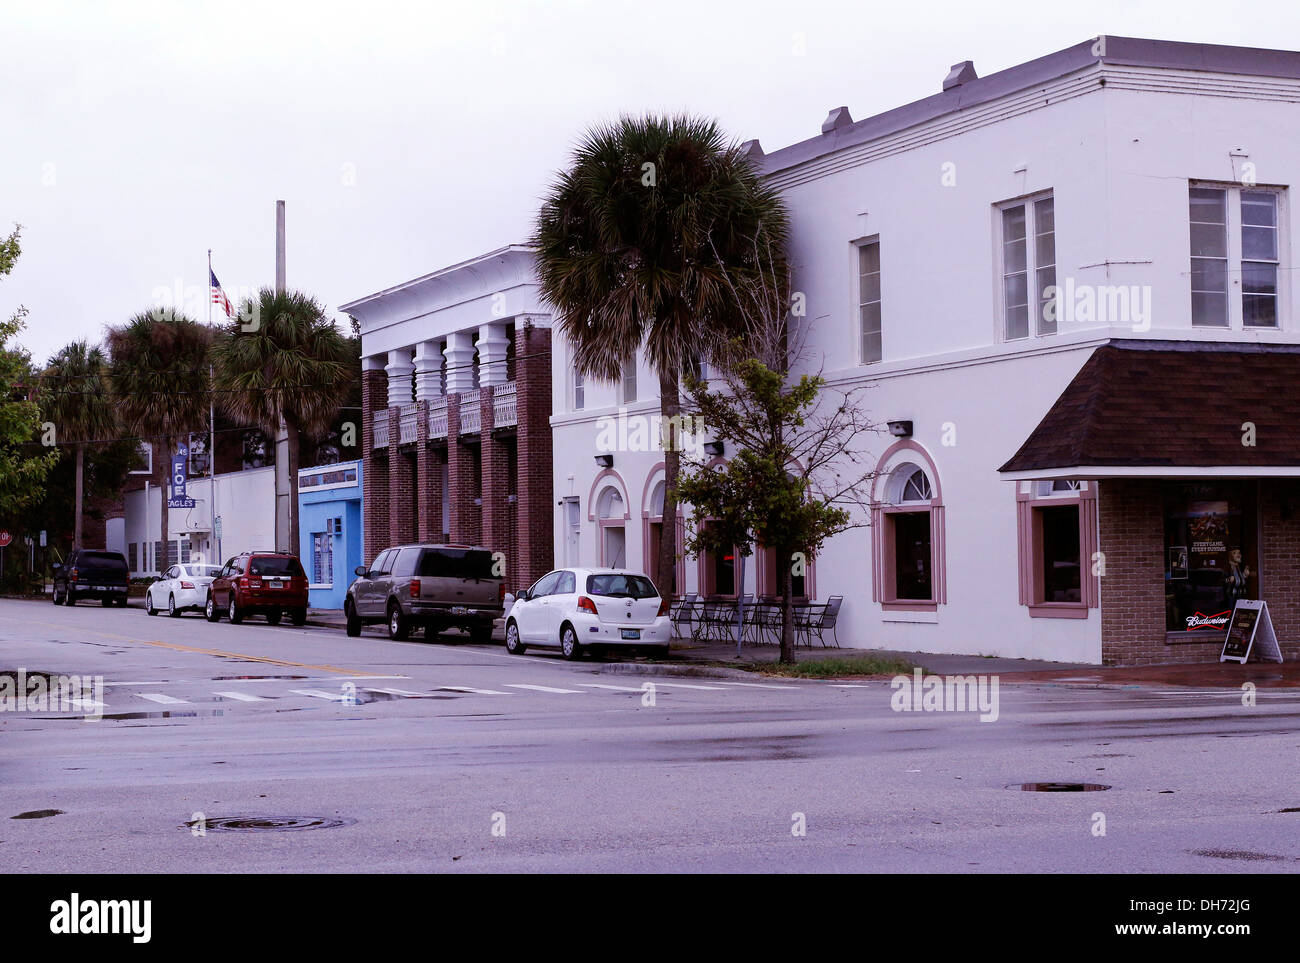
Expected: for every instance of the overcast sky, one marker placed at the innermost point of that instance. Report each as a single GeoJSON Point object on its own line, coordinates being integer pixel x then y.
{"type": "Point", "coordinates": [405, 137]}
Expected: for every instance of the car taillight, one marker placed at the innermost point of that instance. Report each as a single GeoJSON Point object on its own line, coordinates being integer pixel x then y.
{"type": "Point", "coordinates": [73, 576]}
{"type": "Point", "coordinates": [243, 582]}
{"type": "Point", "coordinates": [663, 607]}
{"type": "Point", "coordinates": [501, 593]}
{"type": "Point", "coordinates": [188, 585]}
{"type": "Point", "coordinates": [415, 588]}
{"type": "Point", "coordinates": [587, 605]}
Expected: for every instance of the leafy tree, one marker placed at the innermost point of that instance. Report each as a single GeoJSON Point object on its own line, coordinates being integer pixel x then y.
{"type": "Point", "coordinates": [75, 398]}
{"type": "Point", "coordinates": [159, 376]}
{"type": "Point", "coordinates": [798, 475]}
{"type": "Point", "coordinates": [24, 465]}
{"type": "Point", "coordinates": [282, 359]}
{"type": "Point", "coordinates": [642, 242]}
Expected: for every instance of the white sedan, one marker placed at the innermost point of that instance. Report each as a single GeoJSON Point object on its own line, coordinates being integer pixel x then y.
{"type": "Point", "coordinates": [182, 588]}
{"type": "Point", "coordinates": [574, 609]}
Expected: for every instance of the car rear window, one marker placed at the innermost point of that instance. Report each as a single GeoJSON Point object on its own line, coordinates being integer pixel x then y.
{"type": "Point", "coordinates": [621, 586]}
{"type": "Point", "coordinates": [275, 565]}
{"type": "Point", "coordinates": [102, 561]}
{"type": "Point", "coordinates": [456, 563]}
{"type": "Point", "coordinates": [198, 571]}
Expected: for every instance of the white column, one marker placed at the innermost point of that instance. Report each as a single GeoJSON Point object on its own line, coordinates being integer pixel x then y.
{"type": "Point", "coordinates": [460, 362]}
{"type": "Point", "coordinates": [492, 345]}
{"type": "Point", "coordinates": [428, 371]}
{"type": "Point", "coordinates": [400, 377]}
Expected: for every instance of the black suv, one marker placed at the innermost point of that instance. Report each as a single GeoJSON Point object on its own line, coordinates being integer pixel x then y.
{"type": "Point", "coordinates": [92, 574]}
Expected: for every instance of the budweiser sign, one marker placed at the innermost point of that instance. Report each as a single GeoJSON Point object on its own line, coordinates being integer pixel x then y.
{"type": "Point", "coordinates": [1202, 621]}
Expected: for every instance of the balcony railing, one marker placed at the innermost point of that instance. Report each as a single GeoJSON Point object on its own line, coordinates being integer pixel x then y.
{"type": "Point", "coordinates": [407, 429]}
{"type": "Point", "coordinates": [438, 417]}
{"type": "Point", "coordinates": [381, 428]}
{"type": "Point", "coordinates": [470, 419]}
{"type": "Point", "coordinates": [504, 411]}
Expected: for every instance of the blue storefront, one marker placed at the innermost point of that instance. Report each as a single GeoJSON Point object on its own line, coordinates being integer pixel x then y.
{"type": "Point", "coordinates": [329, 529]}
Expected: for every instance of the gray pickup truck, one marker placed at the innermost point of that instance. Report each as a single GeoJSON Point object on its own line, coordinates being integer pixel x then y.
{"type": "Point", "coordinates": [434, 587]}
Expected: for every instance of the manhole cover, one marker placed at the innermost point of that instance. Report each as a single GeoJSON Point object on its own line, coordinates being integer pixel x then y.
{"type": "Point", "coordinates": [266, 824]}
{"type": "Point", "coordinates": [38, 814]}
{"type": "Point", "coordinates": [1059, 787]}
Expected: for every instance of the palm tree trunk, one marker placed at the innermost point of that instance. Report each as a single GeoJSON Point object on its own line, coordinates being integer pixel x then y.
{"type": "Point", "coordinates": [80, 485]}
{"type": "Point", "coordinates": [670, 409]}
{"type": "Point", "coordinates": [295, 455]}
{"type": "Point", "coordinates": [787, 610]}
{"type": "Point", "coordinates": [164, 560]}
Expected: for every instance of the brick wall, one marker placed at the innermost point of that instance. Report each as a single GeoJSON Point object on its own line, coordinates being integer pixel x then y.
{"type": "Point", "coordinates": [1279, 559]}
{"type": "Point", "coordinates": [374, 397]}
{"type": "Point", "coordinates": [401, 485]}
{"type": "Point", "coordinates": [1131, 518]}
{"type": "Point", "coordinates": [495, 514]}
{"type": "Point", "coordinates": [428, 480]}
{"type": "Point", "coordinates": [535, 531]}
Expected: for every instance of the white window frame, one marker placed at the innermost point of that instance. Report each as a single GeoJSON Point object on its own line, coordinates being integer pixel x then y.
{"type": "Point", "coordinates": [858, 247]}
{"type": "Point", "coordinates": [1028, 202]}
{"type": "Point", "coordinates": [629, 377]}
{"type": "Point", "coordinates": [1236, 315]}
{"type": "Point", "coordinates": [577, 391]}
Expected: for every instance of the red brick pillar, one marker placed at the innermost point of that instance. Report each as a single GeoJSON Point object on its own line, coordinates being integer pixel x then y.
{"type": "Point", "coordinates": [1279, 559]}
{"type": "Point", "coordinates": [374, 397]}
{"type": "Point", "coordinates": [461, 483]}
{"type": "Point", "coordinates": [1132, 541]}
{"type": "Point", "coordinates": [428, 481]}
{"type": "Point", "coordinates": [536, 502]}
{"type": "Point", "coordinates": [493, 482]}
{"type": "Point", "coordinates": [401, 485]}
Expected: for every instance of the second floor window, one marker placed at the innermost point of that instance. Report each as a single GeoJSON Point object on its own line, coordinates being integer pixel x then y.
{"type": "Point", "coordinates": [869, 301]}
{"type": "Point", "coordinates": [579, 390]}
{"type": "Point", "coordinates": [1235, 256]}
{"type": "Point", "coordinates": [627, 386]}
{"type": "Point", "coordinates": [1028, 267]}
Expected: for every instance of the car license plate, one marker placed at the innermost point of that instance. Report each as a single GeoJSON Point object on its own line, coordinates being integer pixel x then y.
{"type": "Point", "coordinates": [631, 633]}
{"type": "Point", "coordinates": [276, 584]}
{"type": "Point", "coordinates": [459, 610]}
{"type": "Point", "coordinates": [99, 588]}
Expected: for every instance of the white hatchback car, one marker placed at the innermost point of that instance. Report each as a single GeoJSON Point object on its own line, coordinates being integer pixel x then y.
{"type": "Point", "coordinates": [182, 588]}
{"type": "Point", "coordinates": [574, 609]}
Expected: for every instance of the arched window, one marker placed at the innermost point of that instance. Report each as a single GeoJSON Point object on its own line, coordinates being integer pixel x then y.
{"type": "Point", "coordinates": [908, 570]}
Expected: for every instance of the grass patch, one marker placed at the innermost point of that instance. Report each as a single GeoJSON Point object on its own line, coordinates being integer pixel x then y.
{"type": "Point", "coordinates": [835, 668]}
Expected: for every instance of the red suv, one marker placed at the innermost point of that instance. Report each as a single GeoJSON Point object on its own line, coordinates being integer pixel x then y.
{"type": "Point", "coordinates": [259, 583]}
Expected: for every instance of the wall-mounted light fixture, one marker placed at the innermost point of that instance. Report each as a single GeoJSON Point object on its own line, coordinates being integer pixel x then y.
{"type": "Point", "coordinates": [605, 461]}
{"type": "Point", "coordinates": [714, 448]}
{"type": "Point", "coordinates": [900, 429]}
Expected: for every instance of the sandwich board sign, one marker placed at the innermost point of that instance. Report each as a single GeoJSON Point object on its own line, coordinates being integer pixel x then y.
{"type": "Point", "coordinates": [1248, 627]}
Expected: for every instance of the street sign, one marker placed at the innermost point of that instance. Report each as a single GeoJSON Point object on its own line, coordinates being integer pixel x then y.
{"type": "Point", "coordinates": [1250, 622]}
{"type": "Point", "coordinates": [217, 526]}
{"type": "Point", "coordinates": [180, 468]}
{"type": "Point", "coordinates": [5, 539]}
{"type": "Point", "coordinates": [42, 538]}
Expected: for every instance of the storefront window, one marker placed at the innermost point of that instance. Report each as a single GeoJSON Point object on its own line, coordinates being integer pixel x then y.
{"type": "Point", "coordinates": [1210, 554]}
{"type": "Point", "coordinates": [1060, 554]}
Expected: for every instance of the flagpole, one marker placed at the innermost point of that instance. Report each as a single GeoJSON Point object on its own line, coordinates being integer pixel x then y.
{"type": "Point", "coordinates": [212, 438]}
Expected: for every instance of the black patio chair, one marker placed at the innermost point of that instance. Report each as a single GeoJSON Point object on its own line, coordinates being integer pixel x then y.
{"type": "Point", "coordinates": [682, 614]}
{"type": "Point", "coordinates": [820, 622]}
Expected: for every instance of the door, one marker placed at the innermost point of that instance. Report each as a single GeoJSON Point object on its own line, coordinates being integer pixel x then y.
{"type": "Point", "coordinates": [370, 586]}
{"type": "Point", "coordinates": [533, 616]}
{"type": "Point", "coordinates": [563, 600]}
{"type": "Point", "coordinates": [572, 532]}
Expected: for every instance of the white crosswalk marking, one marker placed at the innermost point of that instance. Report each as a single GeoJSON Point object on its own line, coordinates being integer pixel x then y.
{"type": "Point", "coordinates": [401, 692]}
{"type": "Point", "coordinates": [543, 688]}
{"type": "Point", "coordinates": [163, 699]}
{"type": "Point", "coordinates": [759, 685]}
{"type": "Point", "coordinates": [318, 694]}
{"type": "Point", "coordinates": [848, 685]}
{"type": "Point", "coordinates": [687, 685]}
{"type": "Point", "coordinates": [90, 705]}
{"type": "Point", "coordinates": [241, 696]}
{"type": "Point", "coordinates": [614, 688]}
{"type": "Point", "coordinates": [470, 689]}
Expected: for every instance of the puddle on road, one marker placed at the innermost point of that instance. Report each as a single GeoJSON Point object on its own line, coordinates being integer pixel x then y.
{"type": "Point", "coordinates": [254, 678]}
{"type": "Point", "coordinates": [163, 714]}
{"type": "Point", "coordinates": [1240, 854]}
{"type": "Point", "coordinates": [1059, 786]}
{"type": "Point", "coordinates": [38, 814]}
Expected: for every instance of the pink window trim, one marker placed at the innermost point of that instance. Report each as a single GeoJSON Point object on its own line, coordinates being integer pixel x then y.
{"type": "Point", "coordinates": [762, 588]}
{"type": "Point", "coordinates": [647, 520]}
{"type": "Point", "coordinates": [1027, 552]}
{"type": "Point", "coordinates": [882, 548]}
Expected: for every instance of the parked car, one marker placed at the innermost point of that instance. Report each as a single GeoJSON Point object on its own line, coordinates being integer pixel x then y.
{"type": "Point", "coordinates": [184, 587]}
{"type": "Point", "coordinates": [92, 574]}
{"type": "Point", "coordinates": [575, 609]}
{"type": "Point", "coordinates": [258, 583]}
{"type": "Point", "coordinates": [435, 587]}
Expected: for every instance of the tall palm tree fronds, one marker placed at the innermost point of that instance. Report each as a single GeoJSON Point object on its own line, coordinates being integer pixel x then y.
{"type": "Point", "coordinates": [643, 242]}
{"type": "Point", "coordinates": [75, 398]}
{"type": "Point", "coordinates": [159, 376]}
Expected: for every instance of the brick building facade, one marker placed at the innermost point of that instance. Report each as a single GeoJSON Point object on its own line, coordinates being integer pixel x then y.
{"type": "Point", "coordinates": [456, 398]}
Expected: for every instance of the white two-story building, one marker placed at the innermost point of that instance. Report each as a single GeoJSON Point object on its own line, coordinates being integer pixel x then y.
{"type": "Point", "coordinates": [1072, 283]}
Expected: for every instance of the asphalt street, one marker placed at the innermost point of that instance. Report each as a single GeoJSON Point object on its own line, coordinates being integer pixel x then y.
{"type": "Point", "coordinates": [448, 757]}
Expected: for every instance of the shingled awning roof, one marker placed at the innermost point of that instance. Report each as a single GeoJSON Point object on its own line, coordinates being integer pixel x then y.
{"type": "Point", "coordinates": [1169, 409]}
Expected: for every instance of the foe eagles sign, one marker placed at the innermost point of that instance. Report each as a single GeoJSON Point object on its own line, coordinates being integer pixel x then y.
{"type": "Point", "coordinates": [180, 461]}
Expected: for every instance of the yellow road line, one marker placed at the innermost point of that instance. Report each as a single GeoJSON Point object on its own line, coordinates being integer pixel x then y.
{"type": "Point", "coordinates": [230, 655]}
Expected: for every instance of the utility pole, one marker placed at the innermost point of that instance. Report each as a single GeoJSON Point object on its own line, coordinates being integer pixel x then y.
{"type": "Point", "coordinates": [283, 488]}
{"type": "Point", "coordinates": [214, 546]}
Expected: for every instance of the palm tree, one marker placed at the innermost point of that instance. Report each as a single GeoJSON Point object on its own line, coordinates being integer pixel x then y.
{"type": "Point", "coordinates": [76, 400]}
{"type": "Point", "coordinates": [644, 241]}
{"type": "Point", "coordinates": [159, 376]}
{"type": "Point", "coordinates": [292, 365]}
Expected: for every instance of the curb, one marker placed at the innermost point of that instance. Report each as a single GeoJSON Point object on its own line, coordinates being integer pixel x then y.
{"type": "Point", "coordinates": [687, 671]}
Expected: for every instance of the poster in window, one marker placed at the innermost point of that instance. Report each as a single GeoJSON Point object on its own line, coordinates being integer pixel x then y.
{"type": "Point", "coordinates": [1178, 562]}
{"type": "Point", "coordinates": [1207, 527]}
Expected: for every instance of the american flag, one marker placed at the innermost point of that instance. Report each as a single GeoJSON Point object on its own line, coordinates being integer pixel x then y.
{"type": "Point", "coordinates": [218, 295]}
